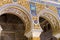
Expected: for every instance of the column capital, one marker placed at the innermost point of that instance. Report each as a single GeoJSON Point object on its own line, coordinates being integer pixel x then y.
{"type": "Point", "coordinates": [57, 35]}
{"type": "Point", "coordinates": [34, 33]}
{"type": "Point", "coordinates": [29, 34]}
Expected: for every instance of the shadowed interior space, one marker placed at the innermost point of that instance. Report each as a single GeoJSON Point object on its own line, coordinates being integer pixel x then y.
{"type": "Point", "coordinates": [13, 27]}
{"type": "Point", "coordinates": [47, 30]}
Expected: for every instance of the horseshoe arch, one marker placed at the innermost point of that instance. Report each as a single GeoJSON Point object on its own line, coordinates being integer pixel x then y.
{"type": "Point", "coordinates": [51, 18]}
{"type": "Point", "coordinates": [19, 11]}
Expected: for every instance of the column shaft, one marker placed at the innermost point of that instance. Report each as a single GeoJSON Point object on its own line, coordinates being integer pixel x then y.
{"type": "Point", "coordinates": [36, 38]}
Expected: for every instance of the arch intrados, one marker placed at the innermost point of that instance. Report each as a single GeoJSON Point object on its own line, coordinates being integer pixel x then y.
{"type": "Point", "coordinates": [47, 21]}
{"type": "Point", "coordinates": [14, 15]}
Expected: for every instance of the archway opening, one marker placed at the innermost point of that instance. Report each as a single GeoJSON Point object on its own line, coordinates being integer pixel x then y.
{"type": "Point", "coordinates": [13, 27]}
{"type": "Point", "coordinates": [47, 30]}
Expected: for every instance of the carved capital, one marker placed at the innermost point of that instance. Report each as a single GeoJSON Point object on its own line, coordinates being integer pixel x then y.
{"type": "Point", "coordinates": [33, 33]}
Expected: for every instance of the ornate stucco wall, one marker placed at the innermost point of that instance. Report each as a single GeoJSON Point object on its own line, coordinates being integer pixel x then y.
{"type": "Point", "coordinates": [25, 4]}
{"type": "Point", "coordinates": [48, 12]}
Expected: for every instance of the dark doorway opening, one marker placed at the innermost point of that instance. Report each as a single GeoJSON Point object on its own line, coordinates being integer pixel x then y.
{"type": "Point", "coordinates": [47, 30]}
{"type": "Point", "coordinates": [13, 27]}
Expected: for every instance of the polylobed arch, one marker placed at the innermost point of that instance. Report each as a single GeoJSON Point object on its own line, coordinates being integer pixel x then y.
{"type": "Point", "coordinates": [51, 18]}
{"type": "Point", "coordinates": [19, 11]}
{"type": "Point", "coordinates": [11, 25]}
